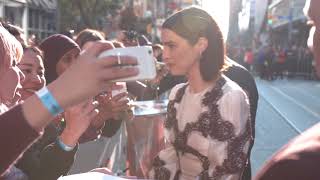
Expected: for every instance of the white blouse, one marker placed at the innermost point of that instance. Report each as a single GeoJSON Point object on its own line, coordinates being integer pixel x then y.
{"type": "Point", "coordinates": [233, 107]}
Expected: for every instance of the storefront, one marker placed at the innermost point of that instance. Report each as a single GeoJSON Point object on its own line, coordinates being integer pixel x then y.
{"type": "Point", "coordinates": [287, 23]}
{"type": "Point", "coordinates": [36, 17]}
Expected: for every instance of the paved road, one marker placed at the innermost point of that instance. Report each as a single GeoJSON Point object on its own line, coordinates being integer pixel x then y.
{"type": "Point", "coordinates": [286, 108]}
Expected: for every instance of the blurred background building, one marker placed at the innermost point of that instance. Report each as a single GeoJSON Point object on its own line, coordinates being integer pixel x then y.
{"type": "Point", "coordinates": [36, 17]}
{"type": "Point", "coordinates": [287, 23]}
{"type": "Point", "coordinates": [272, 22]}
{"type": "Point", "coordinates": [245, 23]}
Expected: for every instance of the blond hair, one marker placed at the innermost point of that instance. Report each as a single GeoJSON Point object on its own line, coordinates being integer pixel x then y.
{"type": "Point", "coordinates": [10, 49]}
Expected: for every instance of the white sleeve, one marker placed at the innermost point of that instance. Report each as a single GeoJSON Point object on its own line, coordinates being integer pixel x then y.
{"type": "Point", "coordinates": [175, 90]}
{"type": "Point", "coordinates": [234, 107]}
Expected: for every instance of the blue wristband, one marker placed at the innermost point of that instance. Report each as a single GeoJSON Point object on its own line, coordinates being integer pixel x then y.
{"type": "Point", "coordinates": [49, 101]}
{"type": "Point", "coordinates": [64, 146]}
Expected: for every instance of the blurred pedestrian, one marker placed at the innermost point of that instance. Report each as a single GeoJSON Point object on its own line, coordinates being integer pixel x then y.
{"type": "Point", "coordinates": [300, 157]}
{"type": "Point", "coordinates": [248, 59]}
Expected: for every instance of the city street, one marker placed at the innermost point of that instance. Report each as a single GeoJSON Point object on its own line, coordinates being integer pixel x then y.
{"type": "Point", "coordinates": [274, 37]}
{"type": "Point", "coordinates": [286, 108]}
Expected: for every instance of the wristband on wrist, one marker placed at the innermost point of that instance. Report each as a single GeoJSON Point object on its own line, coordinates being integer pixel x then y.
{"type": "Point", "coordinates": [64, 146]}
{"type": "Point", "coordinates": [49, 101]}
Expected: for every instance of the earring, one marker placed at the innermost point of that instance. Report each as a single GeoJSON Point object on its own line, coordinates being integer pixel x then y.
{"type": "Point", "coordinates": [200, 54]}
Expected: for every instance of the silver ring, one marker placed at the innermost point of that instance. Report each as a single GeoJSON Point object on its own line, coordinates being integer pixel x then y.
{"type": "Point", "coordinates": [119, 59]}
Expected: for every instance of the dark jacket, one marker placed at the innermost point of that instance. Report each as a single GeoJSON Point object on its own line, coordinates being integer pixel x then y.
{"type": "Point", "coordinates": [297, 160]}
{"type": "Point", "coordinates": [45, 159]}
{"type": "Point", "coordinates": [16, 135]}
{"type": "Point", "coordinates": [245, 80]}
{"type": "Point", "coordinates": [111, 127]}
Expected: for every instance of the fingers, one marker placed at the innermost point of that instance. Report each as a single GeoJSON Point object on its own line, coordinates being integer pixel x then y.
{"type": "Point", "coordinates": [120, 108]}
{"type": "Point", "coordinates": [119, 96]}
{"type": "Point", "coordinates": [115, 86]}
{"type": "Point", "coordinates": [92, 114]}
{"type": "Point", "coordinates": [118, 73]}
{"type": "Point", "coordinates": [103, 98]}
{"type": "Point", "coordinates": [112, 87]}
{"type": "Point", "coordinates": [89, 105]}
{"type": "Point", "coordinates": [122, 102]}
{"type": "Point", "coordinates": [108, 61]}
{"type": "Point", "coordinates": [90, 109]}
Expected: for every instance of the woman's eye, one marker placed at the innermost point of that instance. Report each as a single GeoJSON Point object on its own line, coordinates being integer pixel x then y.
{"type": "Point", "coordinates": [171, 46]}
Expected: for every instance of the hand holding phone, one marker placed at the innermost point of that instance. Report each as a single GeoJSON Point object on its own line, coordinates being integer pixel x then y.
{"type": "Point", "coordinates": [144, 56]}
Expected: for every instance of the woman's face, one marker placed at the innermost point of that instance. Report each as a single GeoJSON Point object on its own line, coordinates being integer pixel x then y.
{"type": "Point", "coordinates": [10, 81]}
{"type": "Point", "coordinates": [66, 60]}
{"type": "Point", "coordinates": [32, 67]}
{"type": "Point", "coordinates": [178, 54]}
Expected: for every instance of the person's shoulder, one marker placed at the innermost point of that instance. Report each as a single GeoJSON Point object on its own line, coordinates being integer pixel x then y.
{"type": "Point", "coordinates": [242, 77]}
{"type": "Point", "coordinates": [236, 68]}
{"type": "Point", "coordinates": [175, 89]}
{"type": "Point", "coordinates": [294, 167]}
{"type": "Point", "coordinates": [232, 91]}
{"type": "Point", "coordinates": [231, 86]}
{"type": "Point", "coordinates": [298, 159]}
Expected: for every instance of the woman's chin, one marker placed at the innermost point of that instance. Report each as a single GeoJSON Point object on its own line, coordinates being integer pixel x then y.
{"type": "Point", "coordinates": [176, 73]}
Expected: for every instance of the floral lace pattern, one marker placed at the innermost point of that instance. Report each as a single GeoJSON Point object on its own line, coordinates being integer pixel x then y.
{"type": "Point", "coordinates": [161, 173]}
{"type": "Point", "coordinates": [210, 123]}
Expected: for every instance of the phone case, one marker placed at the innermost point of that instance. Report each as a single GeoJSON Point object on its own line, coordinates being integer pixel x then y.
{"type": "Point", "coordinates": [146, 62]}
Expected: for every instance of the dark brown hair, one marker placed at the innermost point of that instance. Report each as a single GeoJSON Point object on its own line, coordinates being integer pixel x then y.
{"type": "Point", "coordinates": [14, 30]}
{"type": "Point", "coordinates": [87, 35]}
{"type": "Point", "coordinates": [54, 48]}
{"type": "Point", "coordinates": [192, 23]}
{"type": "Point", "coordinates": [34, 49]}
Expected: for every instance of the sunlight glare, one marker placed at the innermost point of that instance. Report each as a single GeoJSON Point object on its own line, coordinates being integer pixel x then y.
{"type": "Point", "coordinates": [219, 10]}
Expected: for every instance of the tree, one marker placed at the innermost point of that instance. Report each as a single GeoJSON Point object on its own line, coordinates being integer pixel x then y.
{"type": "Point", "coordinates": [79, 14]}
{"type": "Point", "coordinates": [128, 20]}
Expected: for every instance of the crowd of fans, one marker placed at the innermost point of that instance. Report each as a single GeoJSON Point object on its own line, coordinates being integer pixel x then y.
{"type": "Point", "coordinates": [56, 93]}
{"type": "Point", "coordinates": [271, 62]}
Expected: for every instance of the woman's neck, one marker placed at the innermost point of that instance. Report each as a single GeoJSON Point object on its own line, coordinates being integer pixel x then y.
{"type": "Point", "coordinates": [197, 84]}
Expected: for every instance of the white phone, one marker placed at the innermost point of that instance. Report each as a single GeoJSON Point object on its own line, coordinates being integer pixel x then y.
{"type": "Point", "coordinates": [144, 56]}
